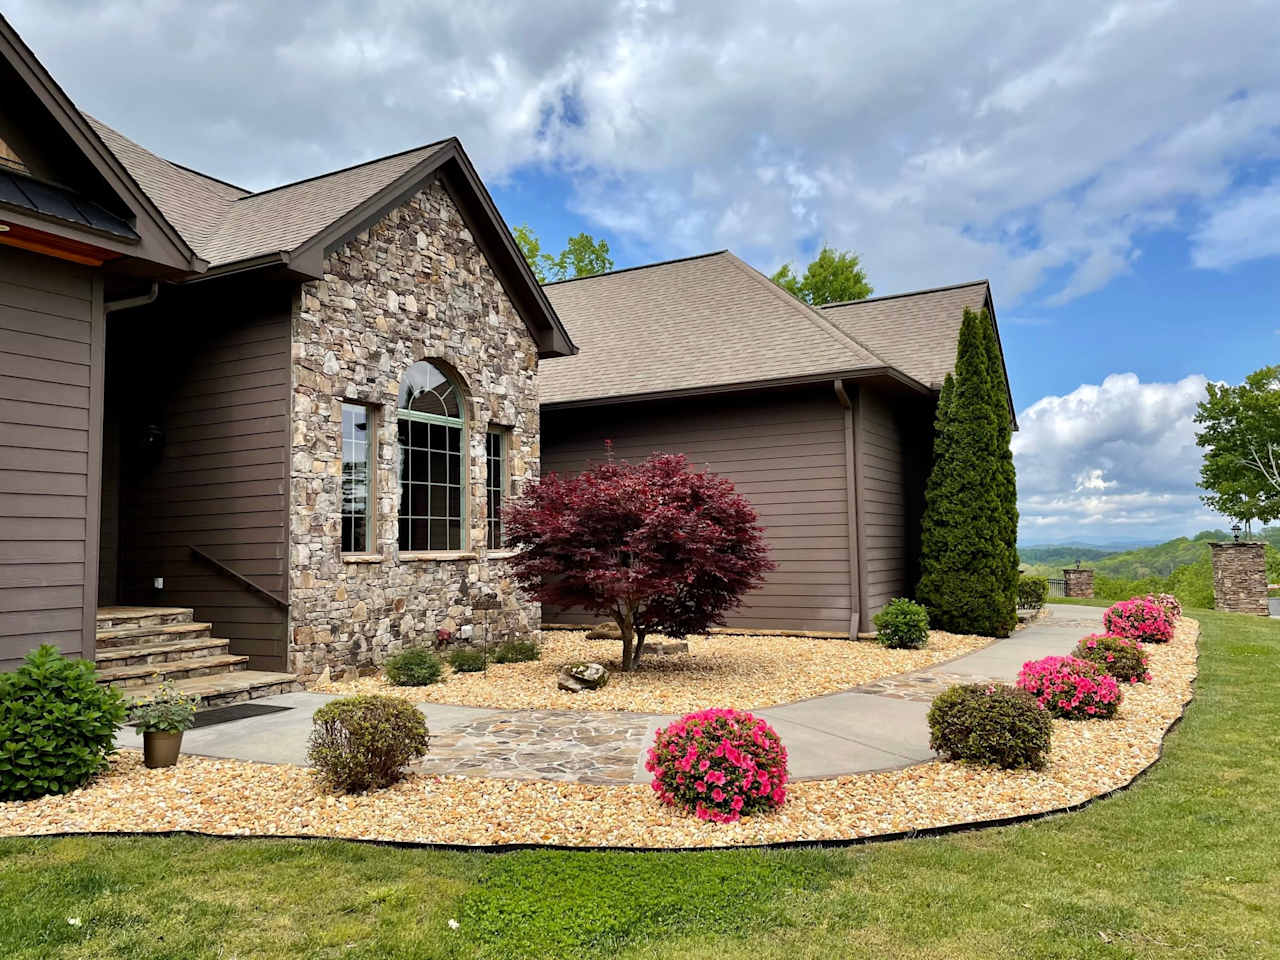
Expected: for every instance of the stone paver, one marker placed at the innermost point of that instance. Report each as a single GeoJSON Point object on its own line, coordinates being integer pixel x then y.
{"type": "Point", "coordinates": [875, 727]}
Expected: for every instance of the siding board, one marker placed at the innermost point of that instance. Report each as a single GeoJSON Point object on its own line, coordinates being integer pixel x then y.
{"type": "Point", "coordinates": [50, 327]}
{"type": "Point", "coordinates": [784, 451]}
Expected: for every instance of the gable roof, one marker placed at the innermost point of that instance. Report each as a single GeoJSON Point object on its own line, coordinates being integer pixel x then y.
{"type": "Point", "coordinates": [153, 237]}
{"type": "Point", "coordinates": [917, 332]}
{"type": "Point", "coordinates": [702, 322]}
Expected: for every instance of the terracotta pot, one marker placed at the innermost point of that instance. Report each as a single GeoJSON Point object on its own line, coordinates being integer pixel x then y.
{"type": "Point", "coordinates": [161, 748]}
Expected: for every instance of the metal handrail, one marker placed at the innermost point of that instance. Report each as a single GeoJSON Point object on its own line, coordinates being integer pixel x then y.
{"type": "Point", "coordinates": [239, 577]}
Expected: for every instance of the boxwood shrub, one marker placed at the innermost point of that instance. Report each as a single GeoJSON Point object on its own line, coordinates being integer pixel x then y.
{"type": "Point", "coordinates": [364, 742]}
{"type": "Point", "coordinates": [416, 667]}
{"type": "Point", "coordinates": [57, 725]}
{"type": "Point", "coordinates": [902, 625]}
{"type": "Point", "coordinates": [1033, 592]}
{"type": "Point", "coordinates": [516, 651]}
{"type": "Point", "coordinates": [467, 660]}
{"type": "Point", "coordinates": [990, 723]}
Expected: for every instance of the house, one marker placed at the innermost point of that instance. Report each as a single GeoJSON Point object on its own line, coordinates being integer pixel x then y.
{"type": "Point", "coordinates": [823, 418]}
{"type": "Point", "coordinates": [248, 437]}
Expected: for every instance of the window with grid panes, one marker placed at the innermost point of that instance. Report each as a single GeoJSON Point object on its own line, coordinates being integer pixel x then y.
{"type": "Point", "coordinates": [432, 438]}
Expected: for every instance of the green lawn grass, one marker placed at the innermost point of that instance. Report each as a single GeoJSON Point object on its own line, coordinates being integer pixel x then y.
{"type": "Point", "coordinates": [1181, 865]}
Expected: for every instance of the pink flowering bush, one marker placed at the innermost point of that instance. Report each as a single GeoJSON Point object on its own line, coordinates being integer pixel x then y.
{"type": "Point", "coordinates": [1126, 660]}
{"type": "Point", "coordinates": [1139, 619]}
{"type": "Point", "coordinates": [720, 765]}
{"type": "Point", "coordinates": [1071, 688]}
{"type": "Point", "coordinates": [1170, 603]}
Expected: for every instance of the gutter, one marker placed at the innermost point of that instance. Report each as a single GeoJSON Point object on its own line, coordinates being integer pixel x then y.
{"type": "Point", "coordinates": [128, 303]}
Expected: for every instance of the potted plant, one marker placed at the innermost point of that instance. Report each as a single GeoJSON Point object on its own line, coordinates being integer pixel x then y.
{"type": "Point", "coordinates": [161, 721]}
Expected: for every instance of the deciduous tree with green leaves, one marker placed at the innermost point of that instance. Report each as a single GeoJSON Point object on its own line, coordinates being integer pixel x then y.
{"type": "Point", "coordinates": [832, 277]}
{"type": "Point", "coordinates": [1240, 434]}
{"type": "Point", "coordinates": [969, 559]}
{"type": "Point", "coordinates": [583, 256]}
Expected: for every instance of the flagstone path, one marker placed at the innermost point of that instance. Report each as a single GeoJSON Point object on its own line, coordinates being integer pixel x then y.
{"type": "Point", "coordinates": [877, 726]}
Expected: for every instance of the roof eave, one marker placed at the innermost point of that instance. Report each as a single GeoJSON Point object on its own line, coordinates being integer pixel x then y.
{"type": "Point", "coordinates": [860, 373]}
{"type": "Point", "coordinates": [168, 248]}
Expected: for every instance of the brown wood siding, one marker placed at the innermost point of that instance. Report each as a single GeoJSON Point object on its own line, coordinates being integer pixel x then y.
{"type": "Point", "coordinates": [218, 387]}
{"type": "Point", "coordinates": [882, 501]}
{"type": "Point", "coordinates": [784, 450]}
{"type": "Point", "coordinates": [51, 343]}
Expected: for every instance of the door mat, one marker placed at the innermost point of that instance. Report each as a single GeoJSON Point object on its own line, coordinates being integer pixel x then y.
{"type": "Point", "coordinates": [237, 711]}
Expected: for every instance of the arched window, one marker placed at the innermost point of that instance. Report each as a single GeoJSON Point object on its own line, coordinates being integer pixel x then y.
{"type": "Point", "coordinates": [432, 464]}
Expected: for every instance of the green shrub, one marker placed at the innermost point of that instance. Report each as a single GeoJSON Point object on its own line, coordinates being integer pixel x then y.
{"type": "Point", "coordinates": [1032, 592]}
{"type": "Point", "coordinates": [57, 725]}
{"type": "Point", "coordinates": [1126, 660]}
{"type": "Point", "coordinates": [902, 625]}
{"type": "Point", "coordinates": [364, 742]}
{"type": "Point", "coordinates": [467, 660]}
{"type": "Point", "coordinates": [516, 651]}
{"type": "Point", "coordinates": [416, 667]}
{"type": "Point", "coordinates": [990, 723]}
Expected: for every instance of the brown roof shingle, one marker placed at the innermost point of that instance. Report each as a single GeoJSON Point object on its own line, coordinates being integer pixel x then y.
{"type": "Point", "coordinates": [225, 224]}
{"type": "Point", "coordinates": [700, 322]}
{"type": "Point", "coordinates": [915, 332]}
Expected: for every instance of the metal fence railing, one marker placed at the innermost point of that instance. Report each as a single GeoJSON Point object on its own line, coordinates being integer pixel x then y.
{"type": "Point", "coordinates": [1057, 587]}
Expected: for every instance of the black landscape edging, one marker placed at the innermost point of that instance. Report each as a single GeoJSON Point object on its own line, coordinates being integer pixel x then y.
{"type": "Point", "coordinates": [922, 833]}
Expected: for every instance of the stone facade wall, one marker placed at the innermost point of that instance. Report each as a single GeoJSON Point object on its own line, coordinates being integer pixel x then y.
{"type": "Point", "coordinates": [1079, 583]}
{"type": "Point", "coordinates": [1240, 577]}
{"type": "Point", "coordinates": [414, 286]}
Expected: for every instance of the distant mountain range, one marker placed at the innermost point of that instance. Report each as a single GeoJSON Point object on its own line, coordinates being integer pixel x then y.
{"type": "Point", "coordinates": [1134, 562]}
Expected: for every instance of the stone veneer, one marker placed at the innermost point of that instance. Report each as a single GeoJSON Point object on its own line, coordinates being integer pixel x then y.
{"type": "Point", "coordinates": [1240, 577]}
{"type": "Point", "coordinates": [1077, 583]}
{"type": "Point", "coordinates": [413, 286]}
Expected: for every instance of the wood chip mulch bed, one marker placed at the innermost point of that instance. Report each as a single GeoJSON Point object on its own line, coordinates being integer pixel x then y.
{"type": "Point", "coordinates": [234, 798]}
{"type": "Point", "coordinates": [745, 671]}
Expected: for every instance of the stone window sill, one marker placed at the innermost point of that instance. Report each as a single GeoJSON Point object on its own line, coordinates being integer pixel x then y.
{"type": "Point", "coordinates": [437, 555]}
{"type": "Point", "coordinates": [362, 558]}
{"type": "Point", "coordinates": [502, 554]}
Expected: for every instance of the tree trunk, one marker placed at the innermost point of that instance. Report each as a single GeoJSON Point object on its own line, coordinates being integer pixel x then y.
{"type": "Point", "coordinates": [631, 646]}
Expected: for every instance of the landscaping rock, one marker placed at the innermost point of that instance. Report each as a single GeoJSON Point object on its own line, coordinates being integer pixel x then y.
{"type": "Point", "coordinates": [576, 677]}
{"type": "Point", "coordinates": [670, 648]}
{"type": "Point", "coordinates": [608, 630]}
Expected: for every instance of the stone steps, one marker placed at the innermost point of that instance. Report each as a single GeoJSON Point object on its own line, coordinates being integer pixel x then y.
{"type": "Point", "coordinates": [160, 634]}
{"type": "Point", "coordinates": [222, 689]}
{"type": "Point", "coordinates": [144, 674]}
{"type": "Point", "coordinates": [155, 653]}
{"type": "Point", "coordinates": [138, 648]}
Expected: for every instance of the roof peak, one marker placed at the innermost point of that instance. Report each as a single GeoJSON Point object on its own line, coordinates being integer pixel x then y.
{"type": "Point", "coordinates": [642, 266]}
{"type": "Point", "coordinates": [330, 173]}
{"type": "Point", "coordinates": [907, 293]}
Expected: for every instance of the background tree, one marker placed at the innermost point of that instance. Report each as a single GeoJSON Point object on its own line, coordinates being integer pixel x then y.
{"type": "Point", "coordinates": [832, 277]}
{"type": "Point", "coordinates": [583, 256]}
{"type": "Point", "coordinates": [655, 546]}
{"type": "Point", "coordinates": [1240, 433]}
{"type": "Point", "coordinates": [965, 561]}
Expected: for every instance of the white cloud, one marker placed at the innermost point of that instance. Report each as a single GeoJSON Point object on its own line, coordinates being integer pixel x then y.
{"type": "Point", "coordinates": [1247, 228]}
{"type": "Point", "coordinates": [1119, 456]}
{"type": "Point", "coordinates": [1033, 144]}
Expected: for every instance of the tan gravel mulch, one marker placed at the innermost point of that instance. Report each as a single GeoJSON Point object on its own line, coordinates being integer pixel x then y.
{"type": "Point", "coordinates": [748, 672]}
{"type": "Point", "coordinates": [231, 797]}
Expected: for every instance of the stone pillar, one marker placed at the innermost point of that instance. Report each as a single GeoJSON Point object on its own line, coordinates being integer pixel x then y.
{"type": "Point", "coordinates": [1240, 577]}
{"type": "Point", "coordinates": [1079, 583]}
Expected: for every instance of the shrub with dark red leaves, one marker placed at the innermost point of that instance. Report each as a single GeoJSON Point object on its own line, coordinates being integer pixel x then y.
{"type": "Point", "coordinates": [719, 765]}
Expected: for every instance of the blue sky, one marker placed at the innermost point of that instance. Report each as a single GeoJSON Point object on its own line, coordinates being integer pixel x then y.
{"type": "Point", "coordinates": [1113, 168]}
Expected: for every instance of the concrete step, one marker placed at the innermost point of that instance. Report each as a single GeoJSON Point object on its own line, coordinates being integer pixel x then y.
{"type": "Point", "coordinates": [110, 657]}
{"type": "Point", "coordinates": [222, 689]}
{"type": "Point", "coordinates": [153, 634]}
{"type": "Point", "coordinates": [145, 674]}
{"type": "Point", "coordinates": [112, 618]}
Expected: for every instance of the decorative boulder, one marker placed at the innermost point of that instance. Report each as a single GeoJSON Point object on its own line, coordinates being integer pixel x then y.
{"type": "Point", "coordinates": [576, 677]}
{"type": "Point", "coordinates": [607, 630]}
{"type": "Point", "coordinates": [667, 649]}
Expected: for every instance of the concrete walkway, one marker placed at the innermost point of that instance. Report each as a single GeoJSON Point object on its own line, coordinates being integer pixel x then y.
{"type": "Point", "coordinates": [880, 726]}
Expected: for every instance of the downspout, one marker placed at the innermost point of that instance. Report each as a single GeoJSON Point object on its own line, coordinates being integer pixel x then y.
{"type": "Point", "coordinates": [128, 303]}
{"type": "Point", "coordinates": [852, 489]}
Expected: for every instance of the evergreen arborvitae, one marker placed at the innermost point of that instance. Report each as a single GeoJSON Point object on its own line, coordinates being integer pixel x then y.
{"type": "Point", "coordinates": [1006, 476]}
{"type": "Point", "coordinates": [965, 582]}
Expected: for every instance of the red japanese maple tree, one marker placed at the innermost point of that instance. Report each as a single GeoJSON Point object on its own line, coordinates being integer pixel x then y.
{"type": "Point", "coordinates": [657, 547]}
